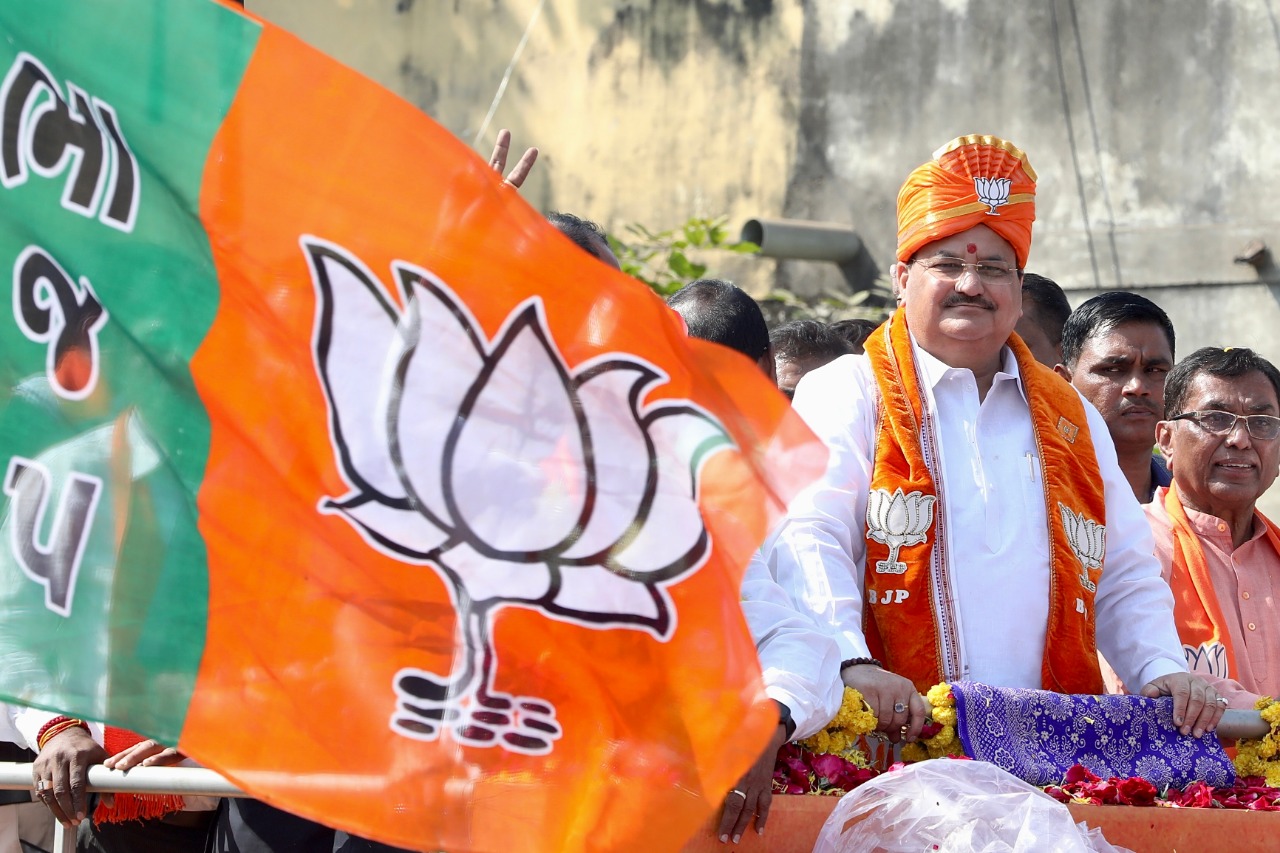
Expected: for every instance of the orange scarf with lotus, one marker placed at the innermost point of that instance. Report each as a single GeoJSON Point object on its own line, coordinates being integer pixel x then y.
{"type": "Point", "coordinates": [1202, 627]}
{"type": "Point", "coordinates": [909, 617]}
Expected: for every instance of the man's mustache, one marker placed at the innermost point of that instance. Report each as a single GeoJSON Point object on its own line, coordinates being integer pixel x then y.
{"type": "Point", "coordinates": [1138, 404]}
{"type": "Point", "coordinates": [955, 299]}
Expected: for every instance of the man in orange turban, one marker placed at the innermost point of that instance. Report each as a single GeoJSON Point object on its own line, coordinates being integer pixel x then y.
{"type": "Point", "coordinates": [972, 180]}
{"type": "Point", "coordinates": [973, 522]}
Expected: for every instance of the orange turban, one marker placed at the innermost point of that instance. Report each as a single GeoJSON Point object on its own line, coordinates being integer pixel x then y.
{"type": "Point", "coordinates": [972, 180]}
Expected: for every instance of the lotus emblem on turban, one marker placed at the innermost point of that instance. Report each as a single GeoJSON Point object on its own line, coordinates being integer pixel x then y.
{"type": "Point", "coordinates": [1088, 540]}
{"type": "Point", "coordinates": [516, 479]}
{"type": "Point", "coordinates": [898, 521]}
{"type": "Point", "coordinates": [992, 192]}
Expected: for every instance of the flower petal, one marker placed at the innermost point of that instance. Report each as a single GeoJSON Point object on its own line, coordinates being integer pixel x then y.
{"type": "Point", "coordinates": [483, 578]}
{"type": "Point", "coordinates": [357, 335]}
{"type": "Point", "coordinates": [874, 516]}
{"type": "Point", "coordinates": [896, 521]}
{"type": "Point", "coordinates": [593, 594]}
{"type": "Point", "coordinates": [515, 467]}
{"type": "Point", "coordinates": [672, 538]}
{"type": "Point", "coordinates": [913, 503]}
{"type": "Point", "coordinates": [621, 456]}
{"type": "Point", "coordinates": [438, 363]}
{"type": "Point", "coordinates": [403, 532]}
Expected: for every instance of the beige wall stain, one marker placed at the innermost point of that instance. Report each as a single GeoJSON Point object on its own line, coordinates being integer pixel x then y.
{"type": "Point", "coordinates": [647, 112]}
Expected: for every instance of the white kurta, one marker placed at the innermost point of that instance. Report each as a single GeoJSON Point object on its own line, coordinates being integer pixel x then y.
{"type": "Point", "coordinates": [24, 822]}
{"type": "Point", "coordinates": [800, 664]}
{"type": "Point", "coordinates": [998, 536]}
{"type": "Point", "coordinates": [27, 723]}
{"type": "Point", "coordinates": [22, 726]}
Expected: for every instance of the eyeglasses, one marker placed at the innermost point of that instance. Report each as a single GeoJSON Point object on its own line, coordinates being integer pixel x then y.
{"type": "Point", "coordinates": [1261, 427]}
{"type": "Point", "coordinates": [950, 270]}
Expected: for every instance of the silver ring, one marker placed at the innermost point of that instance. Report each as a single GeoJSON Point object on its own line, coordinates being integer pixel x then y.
{"type": "Point", "coordinates": [742, 794]}
{"type": "Point", "coordinates": [899, 708]}
{"type": "Point", "coordinates": [41, 786]}
{"type": "Point", "coordinates": [1222, 700]}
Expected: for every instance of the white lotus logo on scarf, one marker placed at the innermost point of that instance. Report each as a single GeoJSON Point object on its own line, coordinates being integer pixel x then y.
{"type": "Point", "coordinates": [992, 192]}
{"type": "Point", "coordinates": [514, 478]}
{"type": "Point", "coordinates": [1208, 659]}
{"type": "Point", "coordinates": [898, 521]}
{"type": "Point", "coordinates": [1088, 540]}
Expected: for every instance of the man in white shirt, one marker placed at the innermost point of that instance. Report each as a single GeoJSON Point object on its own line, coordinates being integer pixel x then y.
{"type": "Point", "coordinates": [972, 522]}
{"type": "Point", "coordinates": [24, 824]}
{"type": "Point", "coordinates": [800, 667]}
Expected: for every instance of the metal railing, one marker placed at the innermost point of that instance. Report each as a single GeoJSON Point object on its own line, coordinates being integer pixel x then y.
{"type": "Point", "coordinates": [199, 782]}
{"type": "Point", "coordinates": [187, 781]}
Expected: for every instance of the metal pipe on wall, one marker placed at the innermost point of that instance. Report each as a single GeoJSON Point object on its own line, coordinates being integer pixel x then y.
{"type": "Point", "coordinates": [801, 240]}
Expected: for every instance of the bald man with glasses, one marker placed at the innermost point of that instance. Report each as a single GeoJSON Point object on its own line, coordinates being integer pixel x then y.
{"type": "Point", "coordinates": [1221, 438]}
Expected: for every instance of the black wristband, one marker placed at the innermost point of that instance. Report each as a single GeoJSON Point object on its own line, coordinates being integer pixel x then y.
{"type": "Point", "coordinates": [845, 664]}
{"type": "Point", "coordinates": [784, 717]}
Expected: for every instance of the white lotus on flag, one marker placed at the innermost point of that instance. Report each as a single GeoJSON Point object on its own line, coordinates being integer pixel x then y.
{"type": "Point", "coordinates": [518, 480]}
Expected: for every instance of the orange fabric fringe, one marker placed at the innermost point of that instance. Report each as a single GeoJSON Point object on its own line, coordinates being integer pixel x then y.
{"type": "Point", "coordinates": [133, 806]}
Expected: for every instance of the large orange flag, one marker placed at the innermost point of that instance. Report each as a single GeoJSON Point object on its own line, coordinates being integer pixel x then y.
{"type": "Point", "coordinates": [328, 460]}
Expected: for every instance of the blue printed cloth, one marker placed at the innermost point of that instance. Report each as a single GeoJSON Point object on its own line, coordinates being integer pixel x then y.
{"type": "Point", "coordinates": [1037, 735]}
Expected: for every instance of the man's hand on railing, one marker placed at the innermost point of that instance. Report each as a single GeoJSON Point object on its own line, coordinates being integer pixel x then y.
{"type": "Point", "coordinates": [61, 774]}
{"type": "Point", "coordinates": [146, 753]}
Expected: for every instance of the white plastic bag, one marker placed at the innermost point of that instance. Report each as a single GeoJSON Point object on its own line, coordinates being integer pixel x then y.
{"type": "Point", "coordinates": [954, 807]}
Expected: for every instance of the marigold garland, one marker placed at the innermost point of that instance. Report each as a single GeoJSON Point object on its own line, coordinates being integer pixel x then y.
{"type": "Point", "coordinates": [840, 736]}
{"type": "Point", "coordinates": [938, 738]}
{"type": "Point", "coordinates": [830, 761]}
{"type": "Point", "coordinates": [1259, 757]}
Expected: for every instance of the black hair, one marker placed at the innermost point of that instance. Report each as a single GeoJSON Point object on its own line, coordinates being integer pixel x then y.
{"type": "Point", "coordinates": [1215, 361]}
{"type": "Point", "coordinates": [720, 311]}
{"type": "Point", "coordinates": [1050, 305]}
{"type": "Point", "coordinates": [807, 340]}
{"type": "Point", "coordinates": [855, 331]}
{"type": "Point", "coordinates": [1103, 313]}
{"type": "Point", "coordinates": [586, 234]}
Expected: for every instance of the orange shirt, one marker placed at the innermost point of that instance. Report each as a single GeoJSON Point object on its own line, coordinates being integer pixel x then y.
{"type": "Point", "coordinates": [1246, 581]}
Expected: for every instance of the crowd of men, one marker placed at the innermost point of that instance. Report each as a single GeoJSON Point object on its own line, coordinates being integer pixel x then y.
{"type": "Point", "coordinates": [954, 418]}
{"type": "Point", "coordinates": [1017, 493]}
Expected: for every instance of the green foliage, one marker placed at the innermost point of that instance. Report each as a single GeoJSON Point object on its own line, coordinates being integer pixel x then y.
{"type": "Point", "coordinates": [875, 303]}
{"type": "Point", "coordinates": [662, 259]}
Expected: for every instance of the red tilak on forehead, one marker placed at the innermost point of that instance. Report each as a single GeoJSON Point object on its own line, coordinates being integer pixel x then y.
{"type": "Point", "coordinates": [972, 248]}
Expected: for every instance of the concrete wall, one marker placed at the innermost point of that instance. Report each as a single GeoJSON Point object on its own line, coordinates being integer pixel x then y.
{"type": "Point", "coordinates": [647, 112]}
{"type": "Point", "coordinates": [1152, 125]}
